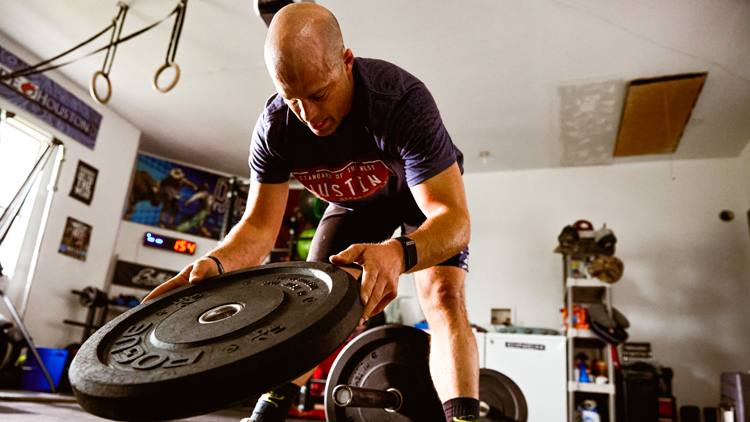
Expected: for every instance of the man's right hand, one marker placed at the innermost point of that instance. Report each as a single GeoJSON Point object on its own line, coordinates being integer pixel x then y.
{"type": "Point", "coordinates": [193, 273]}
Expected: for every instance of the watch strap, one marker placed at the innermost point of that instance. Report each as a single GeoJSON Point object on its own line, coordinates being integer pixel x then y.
{"type": "Point", "coordinates": [410, 252]}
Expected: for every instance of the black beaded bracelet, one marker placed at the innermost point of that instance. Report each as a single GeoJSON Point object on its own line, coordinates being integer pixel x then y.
{"type": "Point", "coordinates": [218, 263]}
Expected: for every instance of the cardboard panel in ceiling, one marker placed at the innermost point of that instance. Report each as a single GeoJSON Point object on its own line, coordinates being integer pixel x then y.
{"type": "Point", "coordinates": [656, 112]}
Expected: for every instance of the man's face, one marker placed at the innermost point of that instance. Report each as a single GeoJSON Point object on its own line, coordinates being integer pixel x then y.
{"type": "Point", "coordinates": [319, 97]}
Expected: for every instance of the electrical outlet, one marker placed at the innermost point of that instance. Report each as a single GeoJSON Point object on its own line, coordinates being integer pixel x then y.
{"type": "Point", "coordinates": [501, 316]}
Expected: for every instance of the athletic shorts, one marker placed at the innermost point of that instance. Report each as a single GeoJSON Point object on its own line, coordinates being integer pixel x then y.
{"type": "Point", "coordinates": [375, 223]}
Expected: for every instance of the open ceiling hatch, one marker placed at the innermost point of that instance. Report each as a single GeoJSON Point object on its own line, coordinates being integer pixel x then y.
{"type": "Point", "coordinates": [656, 112]}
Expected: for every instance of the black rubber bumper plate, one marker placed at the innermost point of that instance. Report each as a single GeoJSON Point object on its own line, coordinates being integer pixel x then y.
{"type": "Point", "coordinates": [390, 356]}
{"type": "Point", "coordinates": [203, 347]}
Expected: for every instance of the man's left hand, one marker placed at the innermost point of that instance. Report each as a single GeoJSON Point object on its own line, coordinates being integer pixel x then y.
{"type": "Point", "coordinates": [382, 265]}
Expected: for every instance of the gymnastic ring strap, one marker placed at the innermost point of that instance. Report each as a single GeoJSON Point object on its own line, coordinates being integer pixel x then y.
{"type": "Point", "coordinates": [94, 93]}
{"type": "Point", "coordinates": [174, 82]}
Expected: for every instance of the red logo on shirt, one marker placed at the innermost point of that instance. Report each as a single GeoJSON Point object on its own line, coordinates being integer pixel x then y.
{"type": "Point", "coordinates": [354, 180]}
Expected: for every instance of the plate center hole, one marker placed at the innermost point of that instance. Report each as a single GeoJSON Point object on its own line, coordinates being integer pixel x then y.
{"type": "Point", "coordinates": [220, 313]}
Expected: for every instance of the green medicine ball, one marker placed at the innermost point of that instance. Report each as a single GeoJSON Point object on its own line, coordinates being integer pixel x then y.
{"type": "Point", "coordinates": [303, 243]}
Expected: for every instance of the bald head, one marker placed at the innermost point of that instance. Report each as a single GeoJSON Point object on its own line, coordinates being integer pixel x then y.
{"type": "Point", "coordinates": [303, 37]}
{"type": "Point", "coordinates": [309, 66]}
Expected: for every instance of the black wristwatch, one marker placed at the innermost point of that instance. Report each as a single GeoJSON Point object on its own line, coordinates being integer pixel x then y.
{"type": "Point", "coordinates": [410, 252]}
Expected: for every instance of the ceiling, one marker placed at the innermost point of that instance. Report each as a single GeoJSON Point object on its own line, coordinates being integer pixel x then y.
{"type": "Point", "coordinates": [520, 84]}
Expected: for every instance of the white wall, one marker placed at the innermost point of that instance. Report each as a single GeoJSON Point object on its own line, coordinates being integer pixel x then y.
{"type": "Point", "coordinates": [130, 248]}
{"type": "Point", "coordinates": [50, 300]}
{"type": "Point", "coordinates": [744, 196]}
{"type": "Point", "coordinates": [685, 287]}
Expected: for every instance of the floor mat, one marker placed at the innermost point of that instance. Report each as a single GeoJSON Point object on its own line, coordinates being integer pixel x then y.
{"type": "Point", "coordinates": [6, 410]}
{"type": "Point", "coordinates": [12, 411]}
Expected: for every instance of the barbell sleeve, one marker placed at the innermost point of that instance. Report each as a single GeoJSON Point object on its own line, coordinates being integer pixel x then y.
{"type": "Point", "coordinates": [348, 396]}
{"type": "Point", "coordinates": [490, 412]}
{"type": "Point", "coordinates": [391, 399]}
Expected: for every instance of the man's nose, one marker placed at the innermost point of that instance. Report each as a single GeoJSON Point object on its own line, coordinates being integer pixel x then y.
{"type": "Point", "coordinates": [308, 110]}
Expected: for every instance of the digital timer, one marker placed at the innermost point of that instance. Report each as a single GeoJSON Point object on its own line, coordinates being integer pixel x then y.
{"type": "Point", "coordinates": [169, 243]}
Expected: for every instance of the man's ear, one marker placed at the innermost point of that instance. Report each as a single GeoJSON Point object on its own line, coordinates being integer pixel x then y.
{"type": "Point", "coordinates": [348, 59]}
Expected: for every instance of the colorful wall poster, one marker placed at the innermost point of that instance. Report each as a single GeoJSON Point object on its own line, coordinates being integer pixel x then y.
{"type": "Point", "coordinates": [177, 197]}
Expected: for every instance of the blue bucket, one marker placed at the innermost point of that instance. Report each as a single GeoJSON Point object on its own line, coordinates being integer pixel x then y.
{"type": "Point", "coordinates": [33, 378]}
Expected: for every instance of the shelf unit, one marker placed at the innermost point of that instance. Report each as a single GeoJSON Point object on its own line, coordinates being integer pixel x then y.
{"type": "Point", "coordinates": [586, 290]}
{"type": "Point", "coordinates": [587, 387]}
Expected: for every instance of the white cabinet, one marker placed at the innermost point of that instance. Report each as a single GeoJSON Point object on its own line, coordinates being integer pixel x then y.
{"type": "Point", "coordinates": [480, 345]}
{"type": "Point", "coordinates": [536, 363]}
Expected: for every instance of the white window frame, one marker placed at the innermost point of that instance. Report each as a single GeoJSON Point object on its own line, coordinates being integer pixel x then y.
{"type": "Point", "coordinates": [11, 246]}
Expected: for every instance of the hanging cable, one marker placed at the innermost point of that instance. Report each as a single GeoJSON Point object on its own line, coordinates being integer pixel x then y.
{"type": "Point", "coordinates": [37, 68]}
{"type": "Point", "coordinates": [172, 49]}
{"type": "Point", "coordinates": [32, 70]}
{"type": "Point", "coordinates": [119, 22]}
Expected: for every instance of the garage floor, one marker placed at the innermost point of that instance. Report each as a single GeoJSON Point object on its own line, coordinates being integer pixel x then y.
{"type": "Point", "coordinates": [24, 411]}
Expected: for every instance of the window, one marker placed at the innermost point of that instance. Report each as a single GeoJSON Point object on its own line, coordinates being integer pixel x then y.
{"type": "Point", "coordinates": [21, 145]}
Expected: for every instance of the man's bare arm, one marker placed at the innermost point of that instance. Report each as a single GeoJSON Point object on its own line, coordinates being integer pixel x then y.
{"type": "Point", "coordinates": [447, 230]}
{"type": "Point", "coordinates": [246, 245]}
{"type": "Point", "coordinates": [445, 233]}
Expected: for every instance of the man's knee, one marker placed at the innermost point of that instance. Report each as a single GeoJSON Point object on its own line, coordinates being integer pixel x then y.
{"type": "Point", "coordinates": [445, 294]}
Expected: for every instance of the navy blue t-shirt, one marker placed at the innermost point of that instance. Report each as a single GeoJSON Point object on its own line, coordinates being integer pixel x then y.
{"type": "Point", "coordinates": [392, 138]}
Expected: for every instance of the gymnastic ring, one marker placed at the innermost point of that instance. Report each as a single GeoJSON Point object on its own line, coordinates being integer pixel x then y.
{"type": "Point", "coordinates": [92, 88]}
{"type": "Point", "coordinates": [174, 82]}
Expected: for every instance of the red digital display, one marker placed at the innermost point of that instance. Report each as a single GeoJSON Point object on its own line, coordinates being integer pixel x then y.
{"type": "Point", "coordinates": [184, 246]}
{"type": "Point", "coordinates": [169, 243]}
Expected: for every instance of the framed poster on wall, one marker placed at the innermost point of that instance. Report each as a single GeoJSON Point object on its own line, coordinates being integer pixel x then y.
{"type": "Point", "coordinates": [84, 183]}
{"type": "Point", "coordinates": [75, 240]}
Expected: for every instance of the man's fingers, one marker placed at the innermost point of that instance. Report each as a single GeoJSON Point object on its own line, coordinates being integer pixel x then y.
{"type": "Point", "coordinates": [191, 274]}
{"type": "Point", "coordinates": [383, 303]}
{"type": "Point", "coordinates": [365, 290]}
{"type": "Point", "coordinates": [374, 298]}
{"type": "Point", "coordinates": [166, 286]}
{"type": "Point", "coordinates": [160, 289]}
{"type": "Point", "coordinates": [379, 278]}
{"type": "Point", "coordinates": [347, 256]}
{"type": "Point", "coordinates": [202, 268]}
{"type": "Point", "coordinates": [180, 279]}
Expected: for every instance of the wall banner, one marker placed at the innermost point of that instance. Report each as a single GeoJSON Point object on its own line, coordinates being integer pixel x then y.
{"type": "Point", "coordinates": [140, 276]}
{"type": "Point", "coordinates": [48, 101]}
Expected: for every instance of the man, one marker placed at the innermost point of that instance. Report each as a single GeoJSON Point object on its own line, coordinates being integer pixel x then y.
{"type": "Point", "coordinates": [169, 195]}
{"type": "Point", "coordinates": [367, 137]}
{"type": "Point", "coordinates": [205, 203]}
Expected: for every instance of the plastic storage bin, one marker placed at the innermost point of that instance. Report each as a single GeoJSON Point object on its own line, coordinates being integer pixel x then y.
{"type": "Point", "coordinates": [33, 378]}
